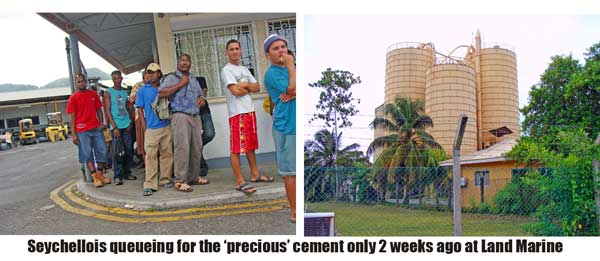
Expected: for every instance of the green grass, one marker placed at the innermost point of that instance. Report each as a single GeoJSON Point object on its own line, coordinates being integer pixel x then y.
{"type": "Point", "coordinates": [352, 219]}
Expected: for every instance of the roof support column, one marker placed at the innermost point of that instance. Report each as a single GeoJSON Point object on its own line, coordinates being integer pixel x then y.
{"type": "Point", "coordinates": [74, 46]}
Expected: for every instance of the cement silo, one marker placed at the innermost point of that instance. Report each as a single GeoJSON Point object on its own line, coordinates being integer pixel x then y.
{"type": "Point", "coordinates": [406, 64]}
{"type": "Point", "coordinates": [499, 95]}
{"type": "Point", "coordinates": [450, 91]}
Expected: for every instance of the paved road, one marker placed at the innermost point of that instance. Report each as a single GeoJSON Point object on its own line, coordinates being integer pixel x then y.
{"type": "Point", "coordinates": [30, 173]}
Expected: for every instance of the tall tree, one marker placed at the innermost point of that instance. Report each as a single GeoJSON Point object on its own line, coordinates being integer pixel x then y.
{"type": "Point", "coordinates": [335, 103]}
{"type": "Point", "coordinates": [566, 97]}
{"type": "Point", "coordinates": [407, 147]}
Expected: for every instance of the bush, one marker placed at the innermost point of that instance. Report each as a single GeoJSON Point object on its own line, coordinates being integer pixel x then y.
{"type": "Point", "coordinates": [517, 198]}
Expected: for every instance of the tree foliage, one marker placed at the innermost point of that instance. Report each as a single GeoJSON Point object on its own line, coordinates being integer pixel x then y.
{"type": "Point", "coordinates": [408, 146]}
{"type": "Point", "coordinates": [335, 103]}
{"type": "Point", "coordinates": [567, 96]}
{"type": "Point", "coordinates": [321, 165]}
{"type": "Point", "coordinates": [565, 193]}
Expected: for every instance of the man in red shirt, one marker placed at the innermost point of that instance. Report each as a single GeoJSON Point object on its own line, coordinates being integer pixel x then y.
{"type": "Point", "coordinates": [85, 110]}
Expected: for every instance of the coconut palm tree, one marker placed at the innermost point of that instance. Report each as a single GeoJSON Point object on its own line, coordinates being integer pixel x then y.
{"type": "Point", "coordinates": [405, 149]}
{"type": "Point", "coordinates": [321, 156]}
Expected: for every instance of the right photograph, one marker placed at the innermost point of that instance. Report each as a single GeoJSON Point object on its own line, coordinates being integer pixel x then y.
{"type": "Point", "coordinates": [451, 125]}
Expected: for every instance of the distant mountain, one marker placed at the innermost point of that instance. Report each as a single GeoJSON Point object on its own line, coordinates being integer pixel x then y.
{"type": "Point", "coordinates": [92, 72]}
{"type": "Point", "coordinates": [58, 83]}
{"type": "Point", "coordinates": [9, 87]}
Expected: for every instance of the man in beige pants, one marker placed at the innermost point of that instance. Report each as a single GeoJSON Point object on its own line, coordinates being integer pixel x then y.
{"type": "Point", "coordinates": [186, 99]}
{"type": "Point", "coordinates": [158, 142]}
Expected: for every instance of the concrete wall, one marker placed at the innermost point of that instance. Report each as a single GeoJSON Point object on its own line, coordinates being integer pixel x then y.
{"type": "Point", "coordinates": [500, 176]}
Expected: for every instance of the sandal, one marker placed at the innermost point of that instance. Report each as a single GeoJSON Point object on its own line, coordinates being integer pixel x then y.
{"type": "Point", "coordinates": [246, 188]}
{"type": "Point", "coordinates": [147, 192]}
{"type": "Point", "coordinates": [130, 177]}
{"type": "Point", "coordinates": [200, 181]}
{"type": "Point", "coordinates": [183, 187]}
{"type": "Point", "coordinates": [167, 185]}
{"type": "Point", "coordinates": [262, 178]}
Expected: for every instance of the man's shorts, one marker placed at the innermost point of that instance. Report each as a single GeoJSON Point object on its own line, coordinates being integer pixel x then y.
{"type": "Point", "coordinates": [285, 149]}
{"type": "Point", "coordinates": [242, 134]}
{"type": "Point", "coordinates": [91, 146]}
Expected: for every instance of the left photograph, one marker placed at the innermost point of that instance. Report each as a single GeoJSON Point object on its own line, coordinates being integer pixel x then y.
{"type": "Point", "coordinates": [148, 123]}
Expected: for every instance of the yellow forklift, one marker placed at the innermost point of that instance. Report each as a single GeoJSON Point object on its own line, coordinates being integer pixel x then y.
{"type": "Point", "coordinates": [26, 132]}
{"type": "Point", "coordinates": [57, 130]}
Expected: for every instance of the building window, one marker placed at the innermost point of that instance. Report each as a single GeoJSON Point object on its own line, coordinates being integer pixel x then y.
{"type": "Point", "coordinates": [2, 125]}
{"type": "Point", "coordinates": [486, 177]}
{"type": "Point", "coordinates": [206, 47]}
{"type": "Point", "coordinates": [285, 28]}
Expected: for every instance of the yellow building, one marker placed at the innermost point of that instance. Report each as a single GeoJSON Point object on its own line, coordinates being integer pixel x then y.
{"type": "Point", "coordinates": [484, 173]}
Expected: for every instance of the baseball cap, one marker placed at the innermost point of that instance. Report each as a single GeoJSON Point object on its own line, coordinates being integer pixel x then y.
{"type": "Point", "coordinates": [271, 39]}
{"type": "Point", "coordinates": [152, 67]}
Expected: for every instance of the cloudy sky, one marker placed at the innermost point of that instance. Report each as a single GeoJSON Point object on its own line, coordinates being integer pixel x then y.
{"type": "Point", "coordinates": [358, 44]}
{"type": "Point", "coordinates": [33, 51]}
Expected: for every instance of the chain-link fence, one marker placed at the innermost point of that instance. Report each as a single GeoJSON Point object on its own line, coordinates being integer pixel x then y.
{"type": "Point", "coordinates": [496, 200]}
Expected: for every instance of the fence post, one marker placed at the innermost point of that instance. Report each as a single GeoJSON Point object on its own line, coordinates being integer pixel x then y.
{"type": "Point", "coordinates": [460, 131]}
{"type": "Point", "coordinates": [597, 194]}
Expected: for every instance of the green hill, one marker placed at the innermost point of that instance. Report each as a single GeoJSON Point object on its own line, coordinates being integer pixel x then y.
{"type": "Point", "coordinates": [92, 72]}
{"type": "Point", "coordinates": [58, 83]}
{"type": "Point", "coordinates": [9, 87]}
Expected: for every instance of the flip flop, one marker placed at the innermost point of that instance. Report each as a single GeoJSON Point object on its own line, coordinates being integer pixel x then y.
{"type": "Point", "coordinates": [260, 179]}
{"type": "Point", "coordinates": [246, 188]}
{"type": "Point", "coordinates": [147, 192]}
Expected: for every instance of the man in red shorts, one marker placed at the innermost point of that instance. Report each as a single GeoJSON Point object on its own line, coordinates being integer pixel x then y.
{"type": "Point", "coordinates": [242, 119]}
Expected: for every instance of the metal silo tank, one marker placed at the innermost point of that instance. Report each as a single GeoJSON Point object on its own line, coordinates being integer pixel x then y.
{"type": "Point", "coordinates": [499, 93]}
{"type": "Point", "coordinates": [450, 91]}
{"type": "Point", "coordinates": [406, 64]}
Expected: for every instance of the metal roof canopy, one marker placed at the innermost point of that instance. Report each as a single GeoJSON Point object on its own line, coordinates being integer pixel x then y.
{"type": "Point", "coordinates": [122, 39]}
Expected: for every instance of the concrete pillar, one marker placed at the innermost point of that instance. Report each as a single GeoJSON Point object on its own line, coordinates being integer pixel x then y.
{"type": "Point", "coordinates": [75, 60]}
{"type": "Point", "coordinates": [164, 43]}
{"type": "Point", "coordinates": [262, 64]}
{"type": "Point", "coordinates": [71, 76]}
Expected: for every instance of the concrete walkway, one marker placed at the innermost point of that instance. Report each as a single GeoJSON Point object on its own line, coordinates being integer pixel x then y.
{"type": "Point", "coordinates": [219, 191]}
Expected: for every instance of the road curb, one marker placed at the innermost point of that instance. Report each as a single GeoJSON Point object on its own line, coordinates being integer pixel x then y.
{"type": "Point", "coordinates": [185, 201]}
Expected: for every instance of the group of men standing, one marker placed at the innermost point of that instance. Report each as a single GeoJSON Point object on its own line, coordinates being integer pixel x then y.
{"type": "Point", "coordinates": [174, 144]}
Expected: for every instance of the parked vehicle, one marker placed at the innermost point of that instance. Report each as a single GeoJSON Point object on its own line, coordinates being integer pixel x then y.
{"type": "Point", "coordinates": [57, 130]}
{"type": "Point", "coordinates": [27, 132]}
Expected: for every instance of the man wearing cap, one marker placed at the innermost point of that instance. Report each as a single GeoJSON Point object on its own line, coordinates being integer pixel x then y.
{"type": "Point", "coordinates": [158, 141]}
{"type": "Point", "coordinates": [239, 83]}
{"type": "Point", "coordinates": [186, 98]}
{"type": "Point", "coordinates": [118, 117]}
{"type": "Point", "coordinates": [85, 109]}
{"type": "Point", "coordinates": [280, 80]}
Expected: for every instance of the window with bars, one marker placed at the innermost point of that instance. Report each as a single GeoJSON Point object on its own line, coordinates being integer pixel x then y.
{"type": "Point", "coordinates": [206, 47]}
{"type": "Point", "coordinates": [486, 177]}
{"type": "Point", "coordinates": [285, 28]}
